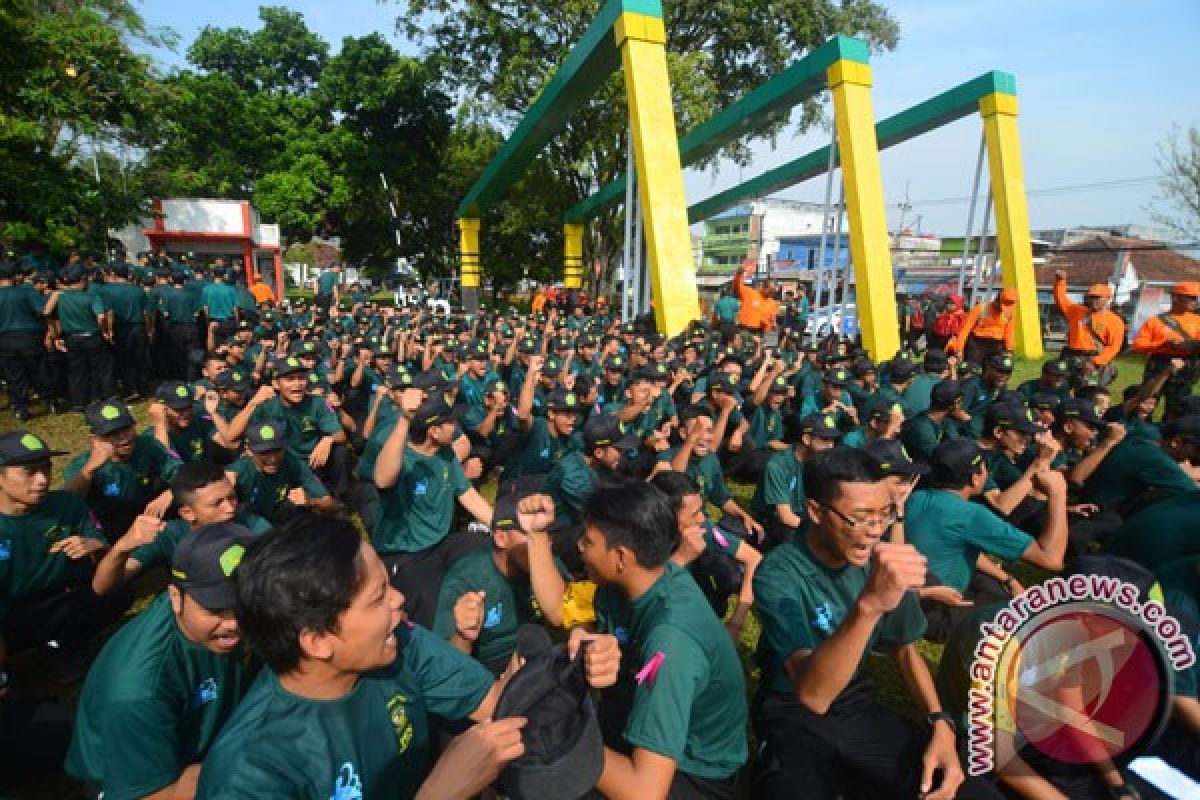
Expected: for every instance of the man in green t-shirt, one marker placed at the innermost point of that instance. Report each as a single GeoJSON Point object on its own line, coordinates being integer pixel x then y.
{"type": "Point", "coordinates": [163, 686]}
{"type": "Point", "coordinates": [924, 432]}
{"type": "Point", "coordinates": [273, 483]}
{"type": "Point", "coordinates": [185, 434]}
{"type": "Point", "coordinates": [47, 549]}
{"type": "Point", "coordinates": [329, 284]}
{"type": "Point", "coordinates": [779, 496]}
{"type": "Point", "coordinates": [85, 327]}
{"type": "Point", "coordinates": [825, 600]}
{"type": "Point", "coordinates": [685, 716]}
{"type": "Point", "coordinates": [343, 707]}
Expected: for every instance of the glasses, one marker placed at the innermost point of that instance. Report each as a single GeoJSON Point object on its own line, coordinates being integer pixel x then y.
{"type": "Point", "coordinates": [864, 523]}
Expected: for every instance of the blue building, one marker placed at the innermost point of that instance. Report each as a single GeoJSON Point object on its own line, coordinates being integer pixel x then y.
{"type": "Point", "coordinates": [804, 253]}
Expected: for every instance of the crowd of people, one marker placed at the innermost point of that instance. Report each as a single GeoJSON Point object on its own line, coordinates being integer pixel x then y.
{"type": "Point", "coordinates": [344, 613]}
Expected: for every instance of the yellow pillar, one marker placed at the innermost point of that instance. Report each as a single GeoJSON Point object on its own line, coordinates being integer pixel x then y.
{"type": "Point", "coordinates": [858, 152]}
{"type": "Point", "coordinates": [573, 255]}
{"type": "Point", "coordinates": [999, 113]}
{"type": "Point", "coordinates": [642, 41]}
{"type": "Point", "coordinates": [468, 247]}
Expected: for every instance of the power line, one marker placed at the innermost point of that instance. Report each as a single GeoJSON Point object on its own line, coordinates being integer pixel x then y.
{"type": "Point", "coordinates": [1052, 191]}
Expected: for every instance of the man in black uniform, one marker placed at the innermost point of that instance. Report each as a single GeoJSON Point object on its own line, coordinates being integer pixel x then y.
{"type": "Point", "coordinates": [180, 309]}
{"type": "Point", "coordinates": [22, 327]}
{"type": "Point", "coordinates": [83, 320]}
{"type": "Point", "coordinates": [131, 315]}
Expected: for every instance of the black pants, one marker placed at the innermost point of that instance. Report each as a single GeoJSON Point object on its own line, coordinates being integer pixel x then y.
{"type": "Point", "coordinates": [70, 617]}
{"type": "Point", "coordinates": [364, 499]}
{"type": "Point", "coordinates": [20, 362]}
{"type": "Point", "coordinates": [418, 576]}
{"type": "Point", "coordinates": [746, 464]}
{"type": "Point", "coordinates": [89, 369]}
{"type": "Point", "coordinates": [978, 348]}
{"type": "Point", "coordinates": [1179, 384]}
{"type": "Point", "coordinates": [34, 737]}
{"type": "Point", "coordinates": [182, 339]}
{"type": "Point", "coordinates": [983, 590]}
{"type": "Point", "coordinates": [858, 749]}
{"type": "Point", "coordinates": [130, 349]}
{"type": "Point", "coordinates": [336, 472]}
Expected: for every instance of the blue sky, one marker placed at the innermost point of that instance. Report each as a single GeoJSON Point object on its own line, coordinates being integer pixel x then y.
{"type": "Point", "coordinates": [1100, 84]}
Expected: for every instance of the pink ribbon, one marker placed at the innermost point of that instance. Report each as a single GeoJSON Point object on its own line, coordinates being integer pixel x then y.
{"type": "Point", "coordinates": [719, 535]}
{"type": "Point", "coordinates": [650, 670]}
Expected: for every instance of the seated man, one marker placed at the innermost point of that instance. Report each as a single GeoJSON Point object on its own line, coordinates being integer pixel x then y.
{"type": "Point", "coordinates": [186, 435]}
{"type": "Point", "coordinates": [270, 481]}
{"type": "Point", "coordinates": [779, 497]}
{"type": "Point", "coordinates": [49, 547]}
{"type": "Point", "coordinates": [1160, 533]}
{"type": "Point", "coordinates": [956, 535]}
{"type": "Point", "coordinates": [544, 440]}
{"type": "Point", "coordinates": [164, 684]}
{"type": "Point", "coordinates": [686, 721]}
{"type": "Point", "coordinates": [826, 599]}
{"type": "Point", "coordinates": [343, 706]}
{"type": "Point", "coordinates": [924, 432]}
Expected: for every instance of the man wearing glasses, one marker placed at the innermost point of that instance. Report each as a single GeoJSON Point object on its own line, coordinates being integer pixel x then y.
{"type": "Point", "coordinates": [825, 599]}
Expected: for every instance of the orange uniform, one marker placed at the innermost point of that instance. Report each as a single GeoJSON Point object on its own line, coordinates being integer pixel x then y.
{"type": "Point", "coordinates": [1157, 338]}
{"type": "Point", "coordinates": [262, 293]}
{"type": "Point", "coordinates": [758, 311]}
{"type": "Point", "coordinates": [1098, 332]}
{"type": "Point", "coordinates": [987, 321]}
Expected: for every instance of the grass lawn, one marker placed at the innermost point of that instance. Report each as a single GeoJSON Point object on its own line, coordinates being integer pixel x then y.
{"type": "Point", "coordinates": [68, 432]}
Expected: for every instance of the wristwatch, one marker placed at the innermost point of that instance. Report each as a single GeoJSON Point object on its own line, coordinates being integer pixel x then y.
{"type": "Point", "coordinates": [942, 716]}
{"type": "Point", "coordinates": [3, 680]}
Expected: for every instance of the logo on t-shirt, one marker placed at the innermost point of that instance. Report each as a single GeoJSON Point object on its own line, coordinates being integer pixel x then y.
{"type": "Point", "coordinates": [398, 715]}
{"type": "Point", "coordinates": [112, 489]}
{"type": "Point", "coordinates": [494, 615]}
{"type": "Point", "coordinates": [420, 488]}
{"type": "Point", "coordinates": [5, 550]}
{"type": "Point", "coordinates": [347, 785]}
{"type": "Point", "coordinates": [206, 692]}
{"type": "Point", "coordinates": [823, 619]}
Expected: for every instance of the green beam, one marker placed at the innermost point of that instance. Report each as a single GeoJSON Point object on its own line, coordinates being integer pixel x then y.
{"type": "Point", "coordinates": [589, 63]}
{"type": "Point", "coordinates": [947, 107]}
{"type": "Point", "coordinates": [764, 105]}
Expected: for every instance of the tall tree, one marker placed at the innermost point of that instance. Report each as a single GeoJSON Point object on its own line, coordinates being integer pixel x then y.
{"type": "Point", "coordinates": [500, 53]}
{"type": "Point", "coordinates": [1178, 204]}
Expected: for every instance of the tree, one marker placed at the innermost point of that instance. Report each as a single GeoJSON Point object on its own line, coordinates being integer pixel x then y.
{"type": "Point", "coordinates": [1179, 160]}
{"type": "Point", "coordinates": [505, 51]}
{"type": "Point", "coordinates": [73, 93]}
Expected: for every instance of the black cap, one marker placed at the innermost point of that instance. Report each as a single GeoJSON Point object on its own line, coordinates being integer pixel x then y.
{"type": "Point", "coordinates": [433, 411]}
{"type": "Point", "coordinates": [72, 274]}
{"type": "Point", "coordinates": [836, 376]}
{"type": "Point", "coordinates": [821, 425]}
{"type": "Point", "coordinates": [476, 351]}
{"type": "Point", "coordinates": [1187, 406]}
{"type": "Point", "coordinates": [504, 513]}
{"type": "Point", "coordinates": [563, 400]}
{"type": "Point", "coordinates": [495, 385]}
{"type": "Point", "coordinates": [430, 380]}
{"type": "Point", "coordinates": [174, 394]}
{"type": "Point", "coordinates": [863, 366]}
{"type": "Point", "coordinates": [107, 416]}
{"type": "Point", "coordinates": [235, 379]}
{"type": "Point", "coordinates": [945, 394]}
{"type": "Point", "coordinates": [882, 407]}
{"type": "Point", "coordinates": [936, 361]}
{"type": "Point", "coordinates": [723, 381]}
{"type": "Point", "coordinates": [1045, 401]}
{"type": "Point", "coordinates": [267, 435]}
{"type": "Point", "coordinates": [287, 365]}
{"type": "Point", "coordinates": [955, 461]}
{"type": "Point", "coordinates": [779, 385]}
{"type": "Point", "coordinates": [304, 347]}
{"type": "Point", "coordinates": [1011, 415]}
{"type": "Point", "coordinates": [398, 377]}
{"type": "Point", "coordinates": [527, 346]}
{"type": "Point", "coordinates": [1001, 362]}
{"type": "Point", "coordinates": [901, 370]}
{"type": "Point", "coordinates": [605, 430]}
{"type": "Point", "coordinates": [1082, 410]}
{"type": "Point", "coordinates": [893, 458]}
{"type": "Point", "coordinates": [1056, 367]}
{"type": "Point", "coordinates": [564, 750]}
{"type": "Point", "coordinates": [1183, 427]}
{"type": "Point", "coordinates": [204, 560]}
{"type": "Point", "coordinates": [23, 447]}
{"type": "Point", "coordinates": [615, 364]}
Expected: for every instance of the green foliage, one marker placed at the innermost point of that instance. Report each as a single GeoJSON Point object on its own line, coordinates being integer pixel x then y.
{"type": "Point", "coordinates": [1178, 205]}
{"type": "Point", "coordinates": [506, 51]}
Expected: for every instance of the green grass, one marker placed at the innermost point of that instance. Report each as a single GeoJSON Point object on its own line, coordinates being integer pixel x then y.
{"type": "Point", "coordinates": [68, 432]}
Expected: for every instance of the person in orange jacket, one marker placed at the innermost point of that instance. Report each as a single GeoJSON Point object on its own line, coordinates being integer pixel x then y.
{"type": "Point", "coordinates": [758, 307]}
{"type": "Point", "coordinates": [1173, 334]}
{"type": "Point", "coordinates": [1094, 333]}
{"type": "Point", "coordinates": [989, 328]}
{"type": "Point", "coordinates": [538, 304]}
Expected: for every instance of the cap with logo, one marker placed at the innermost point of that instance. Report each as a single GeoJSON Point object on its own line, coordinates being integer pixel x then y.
{"type": "Point", "coordinates": [615, 364]}
{"type": "Point", "coordinates": [901, 370]}
{"type": "Point", "coordinates": [23, 447]}
{"type": "Point", "coordinates": [107, 416]}
{"type": "Point", "coordinates": [605, 430]}
{"type": "Point", "coordinates": [1056, 367]}
{"type": "Point", "coordinates": [495, 385]}
{"type": "Point", "coordinates": [955, 461]}
{"type": "Point", "coordinates": [1001, 362]}
{"type": "Point", "coordinates": [204, 561]}
{"type": "Point", "coordinates": [434, 411]}
{"type": "Point", "coordinates": [267, 435]}
{"type": "Point", "coordinates": [563, 400]}
{"type": "Point", "coordinates": [779, 386]}
{"type": "Point", "coordinates": [1045, 401]}
{"type": "Point", "coordinates": [527, 346]}
{"type": "Point", "coordinates": [174, 395]}
{"type": "Point", "coordinates": [398, 377]}
{"type": "Point", "coordinates": [1075, 409]}
{"type": "Point", "coordinates": [237, 380]}
{"type": "Point", "coordinates": [893, 458]}
{"type": "Point", "coordinates": [287, 365]}
{"type": "Point", "coordinates": [1011, 415]}
{"type": "Point", "coordinates": [882, 408]}
{"type": "Point", "coordinates": [836, 377]}
{"type": "Point", "coordinates": [945, 394]}
{"type": "Point", "coordinates": [307, 348]}
{"type": "Point", "coordinates": [722, 382]}
{"type": "Point", "coordinates": [820, 425]}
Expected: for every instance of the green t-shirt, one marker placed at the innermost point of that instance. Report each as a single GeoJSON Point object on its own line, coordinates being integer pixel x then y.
{"type": "Point", "coordinates": [568, 484]}
{"type": "Point", "coordinates": [21, 310]}
{"type": "Point", "coordinates": [782, 482]}
{"type": "Point", "coordinates": [307, 422]}
{"type": "Point", "coordinates": [78, 311]}
{"type": "Point", "coordinates": [800, 603]}
{"type": "Point", "coordinates": [1001, 471]}
{"type": "Point", "coordinates": [193, 443]}
{"type": "Point", "coordinates": [372, 743]}
{"type": "Point", "coordinates": [766, 425]}
{"type": "Point", "coordinates": [128, 302]}
{"type": "Point", "coordinates": [921, 435]}
{"type": "Point", "coordinates": [508, 604]}
{"type": "Point", "coordinates": [915, 398]}
{"type": "Point", "coordinates": [1160, 533]}
{"type": "Point", "coordinates": [416, 513]}
{"type": "Point", "coordinates": [263, 494]}
{"type": "Point", "coordinates": [693, 709]}
{"type": "Point", "coordinates": [180, 305]}
{"type": "Point", "coordinates": [538, 452]}
{"type": "Point", "coordinates": [1180, 582]}
{"type": "Point", "coordinates": [706, 471]}
{"type": "Point", "coordinates": [153, 703]}
{"type": "Point", "coordinates": [727, 308]}
{"type": "Point", "coordinates": [978, 397]}
{"type": "Point", "coordinates": [120, 490]}
{"type": "Point", "coordinates": [1133, 466]}
{"type": "Point", "coordinates": [220, 299]}
{"type": "Point", "coordinates": [952, 532]}
{"type": "Point", "coordinates": [326, 281]}
{"type": "Point", "coordinates": [27, 567]}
